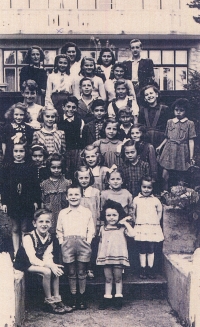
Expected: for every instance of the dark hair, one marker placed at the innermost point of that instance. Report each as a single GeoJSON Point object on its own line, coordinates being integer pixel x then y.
{"type": "Point", "coordinates": [120, 65]}
{"type": "Point", "coordinates": [75, 185]}
{"type": "Point", "coordinates": [84, 169]}
{"type": "Point", "coordinates": [156, 90]}
{"type": "Point", "coordinates": [56, 60]}
{"type": "Point", "coordinates": [28, 55]}
{"type": "Point", "coordinates": [143, 130]}
{"type": "Point", "coordinates": [134, 41]}
{"type": "Point", "coordinates": [9, 115]}
{"type": "Point", "coordinates": [40, 212]}
{"type": "Point", "coordinates": [42, 112]}
{"type": "Point", "coordinates": [82, 64]}
{"type": "Point", "coordinates": [113, 121]}
{"type": "Point", "coordinates": [72, 99]}
{"type": "Point", "coordinates": [119, 82]}
{"type": "Point", "coordinates": [70, 45]}
{"type": "Point", "coordinates": [129, 143]}
{"type": "Point", "coordinates": [86, 79]}
{"type": "Point", "coordinates": [31, 84]}
{"type": "Point", "coordinates": [39, 147]}
{"type": "Point", "coordinates": [90, 148]}
{"type": "Point", "coordinates": [115, 170]}
{"type": "Point", "coordinates": [124, 110]}
{"type": "Point", "coordinates": [146, 179]}
{"type": "Point", "coordinates": [110, 204]}
{"type": "Point", "coordinates": [98, 103]}
{"type": "Point", "coordinates": [21, 141]}
{"type": "Point", "coordinates": [55, 157]}
{"type": "Point", "coordinates": [100, 62]}
{"type": "Point", "coordinates": [181, 103]}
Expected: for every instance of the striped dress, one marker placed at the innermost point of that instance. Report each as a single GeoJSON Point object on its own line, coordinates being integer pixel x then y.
{"type": "Point", "coordinates": [53, 140]}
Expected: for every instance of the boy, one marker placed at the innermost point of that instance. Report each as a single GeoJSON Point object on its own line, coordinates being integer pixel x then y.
{"type": "Point", "coordinates": [38, 255]}
{"type": "Point", "coordinates": [86, 100]}
{"type": "Point", "coordinates": [125, 118]}
{"type": "Point", "coordinates": [92, 130]}
{"type": "Point", "coordinates": [75, 230]}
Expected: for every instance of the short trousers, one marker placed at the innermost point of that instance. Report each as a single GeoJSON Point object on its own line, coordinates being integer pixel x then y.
{"type": "Point", "coordinates": [75, 248]}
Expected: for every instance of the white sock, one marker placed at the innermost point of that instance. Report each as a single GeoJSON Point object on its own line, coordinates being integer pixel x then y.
{"type": "Point", "coordinates": [150, 259]}
{"type": "Point", "coordinates": [143, 260]}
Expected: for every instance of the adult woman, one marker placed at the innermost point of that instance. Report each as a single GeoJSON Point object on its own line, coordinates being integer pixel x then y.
{"type": "Point", "coordinates": [74, 53]}
{"type": "Point", "coordinates": [105, 61]}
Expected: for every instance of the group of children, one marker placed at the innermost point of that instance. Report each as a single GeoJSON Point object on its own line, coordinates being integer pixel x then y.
{"type": "Point", "coordinates": [83, 170]}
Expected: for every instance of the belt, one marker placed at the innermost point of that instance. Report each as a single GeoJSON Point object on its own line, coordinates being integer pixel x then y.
{"type": "Point", "coordinates": [74, 236]}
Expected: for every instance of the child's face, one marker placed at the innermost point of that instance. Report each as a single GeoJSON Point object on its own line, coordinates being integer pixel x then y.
{"type": "Point", "coordinates": [56, 169]}
{"type": "Point", "coordinates": [106, 58]}
{"type": "Point", "coordinates": [18, 116]}
{"type": "Point", "coordinates": [88, 67]}
{"type": "Point", "coordinates": [91, 157]}
{"type": "Point", "coordinates": [35, 57]}
{"type": "Point", "coordinates": [146, 188]}
{"type": "Point", "coordinates": [99, 112]}
{"type": "Point", "coordinates": [38, 157]}
{"type": "Point", "coordinates": [111, 130]}
{"type": "Point", "coordinates": [69, 109]}
{"type": "Point", "coordinates": [42, 224]}
{"type": "Point", "coordinates": [115, 181]}
{"type": "Point", "coordinates": [125, 118]}
{"type": "Point", "coordinates": [179, 112]}
{"type": "Point", "coordinates": [49, 118]}
{"type": "Point", "coordinates": [29, 96]}
{"type": "Point", "coordinates": [136, 134]}
{"type": "Point", "coordinates": [18, 153]}
{"type": "Point", "coordinates": [86, 88]}
{"type": "Point", "coordinates": [121, 92]}
{"type": "Point", "coordinates": [118, 72]}
{"type": "Point", "coordinates": [84, 178]}
{"type": "Point", "coordinates": [74, 196]}
{"type": "Point", "coordinates": [71, 52]}
{"type": "Point", "coordinates": [131, 153]}
{"type": "Point", "coordinates": [150, 96]}
{"type": "Point", "coordinates": [62, 64]}
{"type": "Point", "coordinates": [112, 217]}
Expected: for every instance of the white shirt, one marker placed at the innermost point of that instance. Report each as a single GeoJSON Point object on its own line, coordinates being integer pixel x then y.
{"type": "Point", "coordinates": [146, 209]}
{"type": "Point", "coordinates": [54, 85]}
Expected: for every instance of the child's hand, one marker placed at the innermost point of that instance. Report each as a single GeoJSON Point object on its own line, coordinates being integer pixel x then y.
{"type": "Point", "coordinates": [125, 220]}
{"type": "Point", "coordinates": [35, 206]}
{"type": "Point", "coordinates": [158, 150]}
{"type": "Point", "coordinates": [192, 162]}
{"type": "Point", "coordinates": [56, 269]}
{"type": "Point", "coordinates": [4, 208]}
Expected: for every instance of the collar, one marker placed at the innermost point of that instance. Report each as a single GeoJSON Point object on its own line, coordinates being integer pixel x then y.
{"type": "Point", "coordinates": [140, 195]}
{"type": "Point", "coordinates": [68, 119]}
{"type": "Point", "coordinates": [92, 99]}
{"type": "Point", "coordinates": [48, 132]}
{"type": "Point", "coordinates": [176, 120]}
{"type": "Point", "coordinates": [42, 239]}
{"type": "Point", "coordinates": [122, 127]}
{"type": "Point", "coordinates": [70, 209]}
{"type": "Point", "coordinates": [106, 141]}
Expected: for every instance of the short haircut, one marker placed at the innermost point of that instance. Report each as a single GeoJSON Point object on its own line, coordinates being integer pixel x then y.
{"type": "Point", "coordinates": [84, 169]}
{"type": "Point", "coordinates": [112, 121]}
{"type": "Point", "coordinates": [86, 79]}
{"type": "Point", "coordinates": [30, 84]}
{"type": "Point", "coordinates": [129, 143]}
{"type": "Point", "coordinates": [40, 212]}
{"type": "Point", "coordinates": [135, 41]}
{"type": "Point", "coordinates": [98, 103]}
{"type": "Point", "coordinates": [181, 103]}
{"type": "Point", "coordinates": [119, 82]}
{"type": "Point", "coordinates": [72, 99]}
{"type": "Point", "coordinates": [147, 179]}
{"type": "Point", "coordinates": [156, 90]}
{"type": "Point", "coordinates": [73, 186]}
{"type": "Point", "coordinates": [55, 157]}
{"type": "Point", "coordinates": [120, 65]}
{"type": "Point", "coordinates": [100, 62]}
{"type": "Point", "coordinates": [67, 70]}
{"type": "Point", "coordinates": [124, 110]}
{"type": "Point", "coordinates": [91, 147]}
{"type": "Point", "coordinates": [28, 55]}
{"type": "Point", "coordinates": [71, 45]}
{"type": "Point", "coordinates": [110, 204]}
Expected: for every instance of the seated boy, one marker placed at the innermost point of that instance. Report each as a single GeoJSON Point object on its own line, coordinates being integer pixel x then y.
{"type": "Point", "coordinates": [75, 230]}
{"type": "Point", "coordinates": [86, 100]}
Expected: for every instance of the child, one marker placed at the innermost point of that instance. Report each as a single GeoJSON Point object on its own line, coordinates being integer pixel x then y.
{"type": "Point", "coordinates": [92, 130]}
{"type": "Point", "coordinates": [146, 150]}
{"type": "Point", "coordinates": [92, 158]}
{"type": "Point", "coordinates": [20, 193]}
{"type": "Point", "coordinates": [110, 145]}
{"type": "Point", "coordinates": [74, 53]}
{"type": "Point", "coordinates": [112, 252]}
{"type": "Point", "coordinates": [147, 230]}
{"type": "Point", "coordinates": [133, 167]}
{"type": "Point", "coordinates": [54, 188]}
{"type": "Point", "coordinates": [39, 155]}
{"type": "Point", "coordinates": [122, 100]}
{"type": "Point", "coordinates": [53, 139]}
{"type": "Point", "coordinates": [115, 192]}
{"type": "Point", "coordinates": [75, 231]}
{"type": "Point", "coordinates": [88, 69]}
{"type": "Point", "coordinates": [125, 119]}
{"type": "Point", "coordinates": [72, 126]}
{"type": "Point", "coordinates": [178, 151]}
{"type": "Point", "coordinates": [15, 127]}
{"type": "Point", "coordinates": [59, 83]}
{"type": "Point", "coordinates": [86, 100]}
{"type": "Point", "coordinates": [29, 91]}
{"type": "Point", "coordinates": [38, 256]}
{"type": "Point", "coordinates": [153, 114]}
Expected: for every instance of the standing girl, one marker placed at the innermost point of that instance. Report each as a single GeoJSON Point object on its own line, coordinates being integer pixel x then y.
{"type": "Point", "coordinates": [54, 188]}
{"type": "Point", "coordinates": [110, 145]}
{"type": "Point", "coordinates": [147, 211]}
{"type": "Point", "coordinates": [105, 61]}
{"type": "Point", "coordinates": [74, 53]}
{"type": "Point", "coordinates": [53, 139]}
{"type": "Point", "coordinates": [178, 151]}
{"type": "Point", "coordinates": [112, 252]}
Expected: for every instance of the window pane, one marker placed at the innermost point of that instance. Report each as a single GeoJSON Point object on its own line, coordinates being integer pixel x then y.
{"type": "Point", "coordinates": [10, 57]}
{"type": "Point", "coordinates": [123, 54]}
{"type": "Point", "coordinates": [151, 4]}
{"type": "Point", "coordinates": [170, 4]}
{"type": "Point", "coordinates": [10, 79]}
{"type": "Point", "coordinates": [157, 75]}
{"type": "Point", "coordinates": [89, 53]}
{"type": "Point", "coordinates": [168, 78]}
{"type": "Point", "coordinates": [22, 4]}
{"type": "Point", "coordinates": [85, 5]}
{"type": "Point", "coordinates": [155, 56]}
{"type": "Point", "coordinates": [144, 54]}
{"type": "Point", "coordinates": [168, 57]}
{"type": "Point", "coordinates": [181, 57]}
{"type": "Point", "coordinates": [21, 54]}
{"type": "Point", "coordinates": [49, 56]}
{"type": "Point", "coordinates": [128, 5]}
{"type": "Point", "coordinates": [181, 78]}
{"type": "Point", "coordinates": [39, 4]}
{"type": "Point", "coordinates": [104, 4]}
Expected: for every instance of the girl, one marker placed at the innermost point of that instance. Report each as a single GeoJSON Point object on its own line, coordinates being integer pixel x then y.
{"type": "Point", "coordinates": [115, 192]}
{"type": "Point", "coordinates": [153, 114]}
{"type": "Point", "coordinates": [91, 157]}
{"type": "Point", "coordinates": [53, 139]}
{"type": "Point", "coordinates": [147, 211]}
{"type": "Point", "coordinates": [146, 150]}
{"type": "Point", "coordinates": [74, 53]}
{"type": "Point", "coordinates": [88, 69]}
{"type": "Point", "coordinates": [112, 252]}
{"type": "Point", "coordinates": [20, 193]}
{"type": "Point", "coordinates": [15, 127]}
{"type": "Point", "coordinates": [119, 71]}
{"type": "Point", "coordinates": [59, 83]}
{"type": "Point", "coordinates": [178, 151]}
{"type": "Point", "coordinates": [105, 61]}
{"type": "Point", "coordinates": [29, 91]}
{"type": "Point", "coordinates": [122, 100]}
{"type": "Point", "coordinates": [55, 187]}
{"type": "Point", "coordinates": [34, 71]}
{"type": "Point", "coordinates": [38, 256]}
{"type": "Point", "coordinates": [110, 145]}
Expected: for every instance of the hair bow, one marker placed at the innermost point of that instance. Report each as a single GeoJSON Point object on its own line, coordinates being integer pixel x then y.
{"type": "Point", "coordinates": [119, 147]}
{"type": "Point", "coordinates": [112, 169]}
{"type": "Point", "coordinates": [16, 138]}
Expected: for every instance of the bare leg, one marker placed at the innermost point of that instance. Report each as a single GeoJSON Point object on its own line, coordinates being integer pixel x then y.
{"type": "Point", "coordinates": [56, 286]}
{"type": "Point", "coordinates": [118, 280]}
{"type": "Point", "coordinates": [108, 272]}
{"type": "Point", "coordinates": [15, 235]}
{"type": "Point", "coordinates": [46, 282]}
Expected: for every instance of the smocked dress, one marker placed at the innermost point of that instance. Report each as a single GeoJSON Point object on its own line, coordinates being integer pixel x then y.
{"type": "Point", "coordinates": [112, 247]}
{"type": "Point", "coordinates": [110, 150]}
{"type": "Point", "coordinates": [175, 154]}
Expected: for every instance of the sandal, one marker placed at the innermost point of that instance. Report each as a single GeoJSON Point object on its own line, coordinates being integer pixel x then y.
{"type": "Point", "coordinates": [67, 308]}
{"type": "Point", "coordinates": [90, 274]}
{"type": "Point", "coordinates": [51, 306]}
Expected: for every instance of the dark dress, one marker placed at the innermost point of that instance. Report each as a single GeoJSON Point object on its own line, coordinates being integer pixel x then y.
{"type": "Point", "coordinates": [39, 75]}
